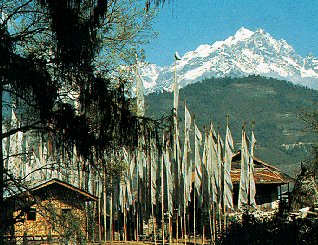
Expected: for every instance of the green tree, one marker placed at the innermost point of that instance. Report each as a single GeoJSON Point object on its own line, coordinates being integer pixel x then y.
{"type": "Point", "coordinates": [310, 116]}
{"type": "Point", "coordinates": [58, 67]}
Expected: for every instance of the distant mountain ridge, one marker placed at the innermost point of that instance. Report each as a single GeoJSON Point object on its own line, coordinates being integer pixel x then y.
{"type": "Point", "coordinates": [246, 53]}
{"type": "Point", "coordinates": [275, 105]}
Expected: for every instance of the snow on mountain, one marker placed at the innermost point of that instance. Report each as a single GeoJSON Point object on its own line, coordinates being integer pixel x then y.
{"type": "Point", "coordinates": [247, 52]}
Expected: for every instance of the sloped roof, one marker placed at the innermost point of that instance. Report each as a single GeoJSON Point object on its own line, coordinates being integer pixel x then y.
{"type": "Point", "coordinates": [60, 185]}
{"type": "Point", "coordinates": [264, 173]}
{"type": "Point", "coordinates": [53, 188]}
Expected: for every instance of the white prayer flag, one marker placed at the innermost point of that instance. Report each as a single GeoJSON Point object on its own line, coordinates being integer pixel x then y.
{"type": "Point", "coordinates": [244, 178]}
{"type": "Point", "coordinates": [197, 160]}
{"type": "Point", "coordinates": [251, 174]}
{"type": "Point", "coordinates": [228, 154]}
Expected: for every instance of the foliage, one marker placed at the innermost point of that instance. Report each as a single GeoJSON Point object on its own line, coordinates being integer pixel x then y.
{"type": "Point", "coordinates": [276, 230]}
{"type": "Point", "coordinates": [305, 192]}
{"type": "Point", "coordinates": [57, 72]}
{"type": "Point", "coordinates": [272, 103]}
{"type": "Point", "coordinates": [309, 115]}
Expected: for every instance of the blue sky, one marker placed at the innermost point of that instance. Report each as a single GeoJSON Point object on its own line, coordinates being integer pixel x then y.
{"type": "Point", "coordinates": [183, 25]}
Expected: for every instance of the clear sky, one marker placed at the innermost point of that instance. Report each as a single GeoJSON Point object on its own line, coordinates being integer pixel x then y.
{"type": "Point", "coordinates": [183, 25]}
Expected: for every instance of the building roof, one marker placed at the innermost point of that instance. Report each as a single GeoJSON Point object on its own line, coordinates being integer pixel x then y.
{"type": "Point", "coordinates": [264, 173]}
{"type": "Point", "coordinates": [53, 188]}
{"type": "Point", "coordinates": [61, 185]}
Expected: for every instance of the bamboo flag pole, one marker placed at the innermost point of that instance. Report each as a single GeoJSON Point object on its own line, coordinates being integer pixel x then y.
{"type": "Point", "coordinates": [169, 196]}
{"type": "Point", "coordinates": [194, 220]}
{"type": "Point", "coordinates": [181, 224]}
{"type": "Point", "coordinates": [137, 223]}
{"type": "Point", "coordinates": [177, 227]}
{"type": "Point", "coordinates": [137, 209]}
{"type": "Point", "coordinates": [162, 197]}
{"type": "Point", "coordinates": [213, 227]}
{"type": "Point", "coordinates": [125, 218]}
{"type": "Point", "coordinates": [194, 193]}
{"type": "Point", "coordinates": [99, 211]}
{"type": "Point", "coordinates": [105, 207]}
{"type": "Point", "coordinates": [223, 180]}
{"type": "Point", "coordinates": [197, 173]}
{"type": "Point", "coordinates": [151, 161]}
{"type": "Point", "coordinates": [211, 222]}
{"type": "Point", "coordinates": [153, 223]}
{"type": "Point", "coordinates": [111, 215]}
{"type": "Point", "coordinates": [185, 173]}
{"type": "Point", "coordinates": [184, 218]}
{"type": "Point", "coordinates": [170, 230]}
{"type": "Point", "coordinates": [176, 142]}
{"type": "Point", "coordinates": [137, 204]}
{"type": "Point", "coordinates": [203, 190]}
{"type": "Point", "coordinates": [203, 234]}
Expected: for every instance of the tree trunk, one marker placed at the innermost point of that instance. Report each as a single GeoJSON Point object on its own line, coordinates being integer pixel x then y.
{"type": "Point", "coordinates": [2, 210]}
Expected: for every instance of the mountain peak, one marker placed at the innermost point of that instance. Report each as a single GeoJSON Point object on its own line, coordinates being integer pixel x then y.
{"type": "Point", "coordinates": [261, 31]}
{"type": "Point", "coordinates": [243, 34]}
{"type": "Point", "coordinates": [245, 53]}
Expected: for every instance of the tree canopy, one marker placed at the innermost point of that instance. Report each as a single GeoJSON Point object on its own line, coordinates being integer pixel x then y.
{"type": "Point", "coordinates": [59, 71]}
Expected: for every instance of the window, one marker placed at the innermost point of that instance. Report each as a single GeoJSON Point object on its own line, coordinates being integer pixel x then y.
{"type": "Point", "coordinates": [31, 214]}
{"type": "Point", "coordinates": [66, 211]}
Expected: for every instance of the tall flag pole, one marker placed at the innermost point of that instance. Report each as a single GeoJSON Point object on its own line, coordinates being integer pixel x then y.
{"type": "Point", "coordinates": [252, 188]}
{"type": "Point", "coordinates": [220, 179]}
{"type": "Point", "coordinates": [162, 192]}
{"type": "Point", "coordinates": [169, 187]}
{"type": "Point", "coordinates": [185, 165]}
{"type": "Point", "coordinates": [205, 186]}
{"type": "Point", "coordinates": [175, 108]}
{"type": "Point", "coordinates": [104, 203]}
{"type": "Point", "coordinates": [176, 145]}
{"type": "Point", "coordinates": [141, 158]}
{"type": "Point", "coordinates": [212, 178]}
{"type": "Point", "coordinates": [176, 83]}
{"type": "Point", "coordinates": [153, 181]}
{"type": "Point", "coordinates": [244, 178]}
{"type": "Point", "coordinates": [139, 93]}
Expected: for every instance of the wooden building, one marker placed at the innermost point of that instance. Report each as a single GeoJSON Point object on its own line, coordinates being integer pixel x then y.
{"type": "Point", "coordinates": [268, 180]}
{"type": "Point", "coordinates": [50, 213]}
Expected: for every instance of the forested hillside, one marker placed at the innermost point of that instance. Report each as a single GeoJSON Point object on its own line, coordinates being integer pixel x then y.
{"type": "Point", "coordinates": [274, 105]}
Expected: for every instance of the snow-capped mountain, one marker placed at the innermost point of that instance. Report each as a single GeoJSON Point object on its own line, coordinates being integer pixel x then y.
{"type": "Point", "coordinates": [245, 53]}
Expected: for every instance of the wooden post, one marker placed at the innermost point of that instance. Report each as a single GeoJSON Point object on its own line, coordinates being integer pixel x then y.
{"type": "Point", "coordinates": [212, 223]}
{"type": "Point", "coordinates": [177, 227]}
{"type": "Point", "coordinates": [137, 208]}
{"type": "Point", "coordinates": [203, 234]}
{"type": "Point", "coordinates": [105, 207]}
{"type": "Point", "coordinates": [137, 215]}
{"type": "Point", "coordinates": [162, 199]}
{"type": "Point", "coordinates": [219, 218]}
{"type": "Point", "coordinates": [99, 218]}
{"type": "Point", "coordinates": [170, 230]}
{"type": "Point", "coordinates": [194, 220]}
{"type": "Point", "coordinates": [184, 218]}
{"type": "Point", "coordinates": [125, 220]}
{"type": "Point", "coordinates": [111, 216]}
{"type": "Point", "coordinates": [154, 225]}
{"type": "Point", "coordinates": [181, 223]}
